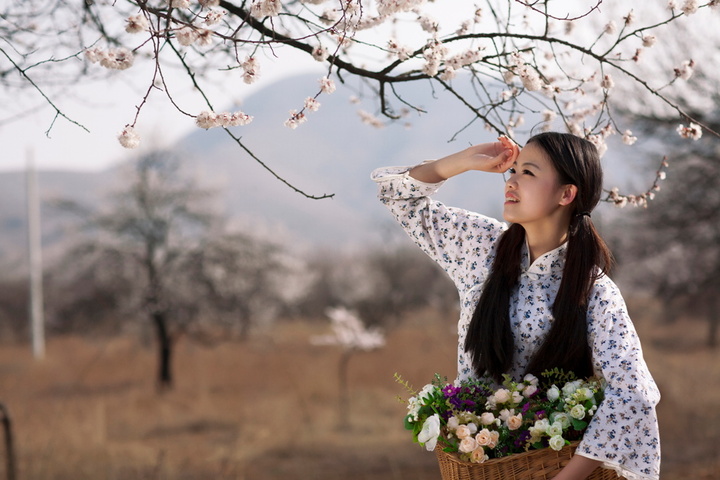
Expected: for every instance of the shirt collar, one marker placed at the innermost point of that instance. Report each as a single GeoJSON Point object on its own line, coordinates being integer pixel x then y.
{"type": "Point", "coordinates": [549, 263]}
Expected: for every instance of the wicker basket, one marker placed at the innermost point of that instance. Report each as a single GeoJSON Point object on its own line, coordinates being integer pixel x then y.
{"type": "Point", "coordinates": [540, 464]}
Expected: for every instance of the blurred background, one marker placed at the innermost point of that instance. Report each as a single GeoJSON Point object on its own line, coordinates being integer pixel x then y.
{"type": "Point", "coordinates": [176, 312]}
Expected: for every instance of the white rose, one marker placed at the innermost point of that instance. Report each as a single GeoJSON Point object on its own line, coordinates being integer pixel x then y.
{"type": "Point", "coordinates": [562, 418]}
{"type": "Point", "coordinates": [570, 388]}
{"type": "Point", "coordinates": [453, 423]}
{"type": "Point", "coordinates": [426, 391]}
{"type": "Point", "coordinates": [582, 394]}
{"type": "Point", "coordinates": [554, 429]}
{"type": "Point", "coordinates": [553, 393]}
{"type": "Point", "coordinates": [505, 414]}
{"type": "Point", "coordinates": [557, 442]}
{"type": "Point", "coordinates": [430, 432]}
{"type": "Point", "coordinates": [578, 411]}
{"type": "Point", "coordinates": [531, 379]}
{"type": "Point", "coordinates": [517, 397]}
{"type": "Point", "coordinates": [487, 418]}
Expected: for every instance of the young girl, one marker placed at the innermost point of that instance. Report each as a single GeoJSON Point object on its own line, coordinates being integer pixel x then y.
{"type": "Point", "coordinates": [535, 295]}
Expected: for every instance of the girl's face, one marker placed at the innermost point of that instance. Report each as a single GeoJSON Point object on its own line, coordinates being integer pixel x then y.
{"type": "Point", "coordinates": [533, 192]}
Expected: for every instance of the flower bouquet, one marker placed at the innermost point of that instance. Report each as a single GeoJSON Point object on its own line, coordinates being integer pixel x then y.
{"type": "Point", "coordinates": [471, 425]}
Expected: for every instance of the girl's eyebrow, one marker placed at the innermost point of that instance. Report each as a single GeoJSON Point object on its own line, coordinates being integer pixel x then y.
{"type": "Point", "coordinates": [531, 164]}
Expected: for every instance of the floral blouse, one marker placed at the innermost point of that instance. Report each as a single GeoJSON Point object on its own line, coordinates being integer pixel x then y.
{"type": "Point", "coordinates": [623, 434]}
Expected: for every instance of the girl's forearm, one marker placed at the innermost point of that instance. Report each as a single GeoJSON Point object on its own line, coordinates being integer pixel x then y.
{"type": "Point", "coordinates": [578, 468]}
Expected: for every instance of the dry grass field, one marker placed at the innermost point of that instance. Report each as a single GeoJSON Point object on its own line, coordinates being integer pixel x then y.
{"type": "Point", "coordinates": [267, 409]}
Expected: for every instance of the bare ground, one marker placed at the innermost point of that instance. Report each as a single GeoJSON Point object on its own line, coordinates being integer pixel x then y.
{"type": "Point", "coordinates": [268, 409]}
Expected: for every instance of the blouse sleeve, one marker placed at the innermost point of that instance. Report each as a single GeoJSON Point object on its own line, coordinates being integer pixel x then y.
{"type": "Point", "coordinates": [624, 433]}
{"type": "Point", "coordinates": [459, 241]}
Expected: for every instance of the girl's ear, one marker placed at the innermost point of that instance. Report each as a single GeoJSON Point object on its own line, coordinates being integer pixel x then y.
{"type": "Point", "coordinates": [569, 192]}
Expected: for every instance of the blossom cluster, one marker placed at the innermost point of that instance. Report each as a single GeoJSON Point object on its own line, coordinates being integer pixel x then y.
{"type": "Point", "coordinates": [477, 422]}
{"type": "Point", "coordinates": [113, 58]}
{"type": "Point", "coordinates": [209, 119]}
{"type": "Point", "coordinates": [350, 332]}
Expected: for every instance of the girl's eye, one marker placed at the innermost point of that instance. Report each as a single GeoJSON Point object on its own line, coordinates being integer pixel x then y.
{"type": "Point", "coordinates": [511, 170]}
{"type": "Point", "coordinates": [528, 172]}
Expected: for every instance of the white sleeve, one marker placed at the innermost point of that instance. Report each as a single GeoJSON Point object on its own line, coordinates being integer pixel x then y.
{"type": "Point", "coordinates": [624, 432]}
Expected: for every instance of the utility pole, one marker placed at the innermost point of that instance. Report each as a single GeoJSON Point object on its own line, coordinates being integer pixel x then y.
{"type": "Point", "coordinates": [37, 321]}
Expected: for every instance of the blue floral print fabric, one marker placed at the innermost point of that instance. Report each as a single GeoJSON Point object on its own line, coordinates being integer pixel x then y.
{"type": "Point", "coordinates": [623, 434]}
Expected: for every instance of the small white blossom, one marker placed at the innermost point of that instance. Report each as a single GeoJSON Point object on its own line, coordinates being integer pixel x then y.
{"type": "Point", "coordinates": [136, 24]}
{"type": "Point", "coordinates": [128, 138]}
{"type": "Point", "coordinates": [117, 58]}
{"type": "Point", "coordinates": [251, 69]}
{"type": "Point", "coordinates": [370, 119]}
{"type": "Point", "coordinates": [312, 104]}
{"type": "Point", "coordinates": [649, 40]}
{"type": "Point", "coordinates": [296, 119]}
{"type": "Point", "coordinates": [327, 85]}
{"type": "Point", "coordinates": [209, 3]}
{"type": "Point", "coordinates": [607, 82]}
{"type": "Point", "coordinates": [178, 3]}
{"type": "Point", "coordinates": [266, 8]}
{"type": "Point", "coordinates": [204, 37]}
{"type": "Point", "coordinates": [186, 35]}
{"type": "Point", "coordinates": [611, 27]}
{"type": "Point", "coordinates": [320, 53]}
{"type": "Point", "coordinates": [628, 138]}
{"type": "Point", "coordinates": [530, 78]}
{"type": "Point", "coordinates": [693, 131]}
{"type": "Point", "coordinates": [214, 16]}
{"type": "Point", "coordinates": [685, 70]}
{"type": "Point", "coordinates": [690, 7]}
{"type": "Point", "coordinates": [207, 119]}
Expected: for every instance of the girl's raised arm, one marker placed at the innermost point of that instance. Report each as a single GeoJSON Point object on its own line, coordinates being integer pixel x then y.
{"type": "Point", "coordinates": [493, 157]}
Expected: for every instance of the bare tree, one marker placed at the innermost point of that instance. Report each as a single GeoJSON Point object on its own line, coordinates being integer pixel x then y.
{"type": "Point", "coordinates": [506, 61]}
{"type": "Point", "coordinates": [157, 251]}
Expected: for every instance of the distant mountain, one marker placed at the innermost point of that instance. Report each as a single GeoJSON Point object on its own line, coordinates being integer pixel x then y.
{"type": "Point", "coordinates": [333, 152]}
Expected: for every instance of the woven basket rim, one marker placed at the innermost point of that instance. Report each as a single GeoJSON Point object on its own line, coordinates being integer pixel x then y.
{"type": "Point", "coordinates": [451, 456]}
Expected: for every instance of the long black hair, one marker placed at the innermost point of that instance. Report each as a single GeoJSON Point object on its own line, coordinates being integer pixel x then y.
{"type": "Point", "coordinates": [489, 338]}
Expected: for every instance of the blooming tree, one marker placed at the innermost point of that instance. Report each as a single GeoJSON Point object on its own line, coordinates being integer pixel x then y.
{"type": "Point", "coordinates": [349, 332]}
{"type": "Point", "coordinates": [549, 63]}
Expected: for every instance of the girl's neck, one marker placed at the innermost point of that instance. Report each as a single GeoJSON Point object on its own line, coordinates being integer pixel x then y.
{"type": "Point", "coordinates": [540, 242]}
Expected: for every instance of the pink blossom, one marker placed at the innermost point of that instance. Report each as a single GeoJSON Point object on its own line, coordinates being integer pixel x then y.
{"type": "Point", "coordinates": [116, 58]}
{"type": "Point", "coordinates": [209, 3]}
{"type": "Point", "coordinates": [530, 78]}
{"type": "Point", "coordinates": [370, 119]}
{"type": "Point", "coordinates": [649, 40]}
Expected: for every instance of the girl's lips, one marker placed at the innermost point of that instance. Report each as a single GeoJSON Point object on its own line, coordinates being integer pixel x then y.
{"type": "Point", "coordinates": [511, 199]}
